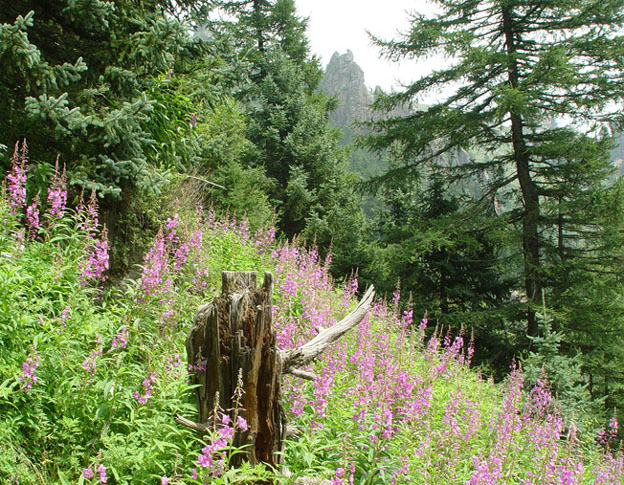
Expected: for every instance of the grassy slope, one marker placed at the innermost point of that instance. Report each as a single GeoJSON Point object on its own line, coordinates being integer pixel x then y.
{"type": "Point", "coordinates": [90, 379]}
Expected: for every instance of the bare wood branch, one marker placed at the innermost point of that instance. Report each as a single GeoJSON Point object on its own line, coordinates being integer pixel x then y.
{"type": "Point", "coordinates": [293, 358]}
{"type": "Point", "coordinates": [293, 431]}
{"type": "Point", "coordinates": [302, 374]}
{"type": "Point", "coordinates": [205, 181]}
{"type": "Point", "coordinates": [202, 428]}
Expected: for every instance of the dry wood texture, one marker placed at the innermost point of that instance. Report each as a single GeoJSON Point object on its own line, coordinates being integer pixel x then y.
{"type": "Point", "coordinates": [234, 334]}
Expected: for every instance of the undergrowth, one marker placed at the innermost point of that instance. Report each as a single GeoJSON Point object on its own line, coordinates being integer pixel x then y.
{"type": "Point", "coordinates": [91, 376]}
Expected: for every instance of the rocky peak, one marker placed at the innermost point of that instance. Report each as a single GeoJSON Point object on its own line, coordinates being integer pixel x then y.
{"type": "Point", "coordinates": [345, 79]}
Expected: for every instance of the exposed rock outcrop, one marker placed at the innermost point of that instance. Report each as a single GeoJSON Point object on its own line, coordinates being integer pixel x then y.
{"type": "Point", "coordinates": [344, 79]}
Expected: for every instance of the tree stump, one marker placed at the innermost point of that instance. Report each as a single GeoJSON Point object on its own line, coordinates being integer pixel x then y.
{"type": "Point", "coordinates": [234, 334]}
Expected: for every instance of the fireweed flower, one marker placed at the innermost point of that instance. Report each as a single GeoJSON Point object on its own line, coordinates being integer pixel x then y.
{"type": "Point", "coordinates": [57, 193]}
{"type": "Point", "coordinates": [608, 436]}
{"type": "Point", "coordinates": [102, 472]}
{"type": "Point", "coordinates": [90, 363]}
{"type": "Point", "coordinates": [213, 454]}
{"type": "Point", "coordinates": [200, 367]}
{"type": "Point", "coordinates": [200, 280]}
{"type": "Point", "coordinates": [155, 266]}
{"type": "Point", "coordinates": [120, 340]}
{"type": "Point", "coordinates": [16, 179]}
{"type": "Point", "coordinates": [181, 255]}
{"type": "Point", "coordinates": [29, 367]}
{"type": "Point", "coordinates": [64, 317]}
{"type": "Point", "coordinates": [87, 473]}
{"type": "Point", "coordinates": [147, 389]}
{"type": "Point", "coordinates": [97, 262]}
{"type": "Point", "coordinates": [196, 240]}
{"type": "Point", "coordinates": [241, 423]}
{"type": "Point", "coordinates": [88, 214]}
{"type": "Point", "coordinates": [264, 239]}
{"type": "Point", "coordinates": [172, 223]}
{"type": "Point", "coordinates": [32, 217]}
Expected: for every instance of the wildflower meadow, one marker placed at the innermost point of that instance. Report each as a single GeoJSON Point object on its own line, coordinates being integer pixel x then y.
{"type": "Point", "coordinates": [93, 373]}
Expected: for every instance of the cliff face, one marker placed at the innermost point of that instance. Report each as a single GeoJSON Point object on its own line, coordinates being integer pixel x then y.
{"type": "Point", "coordinates": [617, 154]}
{"type": "Point", "coordinates": [344, 79]}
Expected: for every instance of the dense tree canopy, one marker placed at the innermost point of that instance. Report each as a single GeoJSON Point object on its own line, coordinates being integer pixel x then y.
{"type": "Point", "coordinates": [75, 80]}
{"type": "Point", "coordinates": [128, 94]}
{"type": "Point", "coordinates": [531, 84]}
{"type": "Point", "coordinates": [287, 125]}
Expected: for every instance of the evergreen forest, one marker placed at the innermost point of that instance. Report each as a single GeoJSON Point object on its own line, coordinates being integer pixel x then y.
{"type": "Point", "coordinates": [148, 146]}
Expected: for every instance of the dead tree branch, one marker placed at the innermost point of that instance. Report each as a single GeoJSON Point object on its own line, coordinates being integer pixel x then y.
{"type": "Point", "coordinates": [294, 358]}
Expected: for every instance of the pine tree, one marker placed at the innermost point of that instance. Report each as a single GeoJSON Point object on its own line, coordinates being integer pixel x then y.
{"type": "Point", "coordinates": [563, 374]}
{"type": "Point", "coordinates": [518, 69]}
{"type": "Point", "coordinates": [449, 260]}
{"type": "Point", "coordinates": [265, 25]}
{"type": "Point", "coordinates": [75, 77]}
{"type": "Point", "coordinates": [288, 125]}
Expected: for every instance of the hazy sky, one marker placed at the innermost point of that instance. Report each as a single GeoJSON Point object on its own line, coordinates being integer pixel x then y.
{"type": "Point", "coordinates": [338, 25]}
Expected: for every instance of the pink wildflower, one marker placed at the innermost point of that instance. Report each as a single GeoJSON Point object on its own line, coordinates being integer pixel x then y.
{"type": "Point", "coordinates": [16, 180]}
{"type": "Point", "coordinates": [32, 216]}
{"type": "Point", "coordinates": [120, 340]}
{"type": "Point", "coordinates": [147, 389]}
{"type": "Point", "coordinates": [98, 260]}
{"type": "Point", "coordinates": [241, 423]}
{"type": "Point", "coordinates": [28, 368]}
{"type": "Point", "coordinates": [102, 471]}
{"type": "Point", "coordinates": [57, 193]}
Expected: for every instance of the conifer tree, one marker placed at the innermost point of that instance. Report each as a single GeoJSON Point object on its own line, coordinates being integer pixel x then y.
{"type": "Point", "coordinates": [531, 83]}
{"type": "Point", "coordinates": [288, 125]}
{"type": "Point", "coordinates": [448, 258]}
{"type": "Point", "coordinates": [75, 76]}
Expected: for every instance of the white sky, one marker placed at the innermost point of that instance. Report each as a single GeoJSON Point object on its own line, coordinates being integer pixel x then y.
{"type": "Point", "coordinates": [338, 25]}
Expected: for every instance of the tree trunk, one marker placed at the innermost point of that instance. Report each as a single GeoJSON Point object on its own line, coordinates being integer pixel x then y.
{"type": "Point", "coordinates": [234, 334]}
{"type": "Point", "coordinates": [530, 195]}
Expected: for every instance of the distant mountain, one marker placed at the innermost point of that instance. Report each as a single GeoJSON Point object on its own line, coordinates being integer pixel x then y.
{"type": "Point", "coordinates": [344, 79]}
{"type": "Point", "coordinates": [617, 154]}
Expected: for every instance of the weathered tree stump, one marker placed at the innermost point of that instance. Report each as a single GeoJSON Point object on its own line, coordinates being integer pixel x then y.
{"type": "Point", "coordinates": [234, 334]}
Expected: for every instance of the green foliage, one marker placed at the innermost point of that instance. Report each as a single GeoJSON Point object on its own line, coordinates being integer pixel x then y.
{"type": "Point", "coordinates": [293, 142]}
{"type": "Point", "coordinates": [243, 190]}
{"type": "Point", "coordinates": [154, 117]}
{"type": "Point", "coordinates": [92, 378]}
{"type": "Point", "coordinates": [57, 426]}
{"type": "Point", "coordinates": [447, 258]}
{"type": "Point", "coordinates": [564, 376]}
{"type": "Point", "coordinates": [286, 124]}
{"type": "Point", "coordinates": [81, 74]}
{"type": "Point", "coordinates": [514, 88]}
{"type": "Point", "coordinates": [133, 98]}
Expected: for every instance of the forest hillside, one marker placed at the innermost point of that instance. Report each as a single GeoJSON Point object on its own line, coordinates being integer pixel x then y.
{"type": "Point", "coordinates": [146, 147]}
